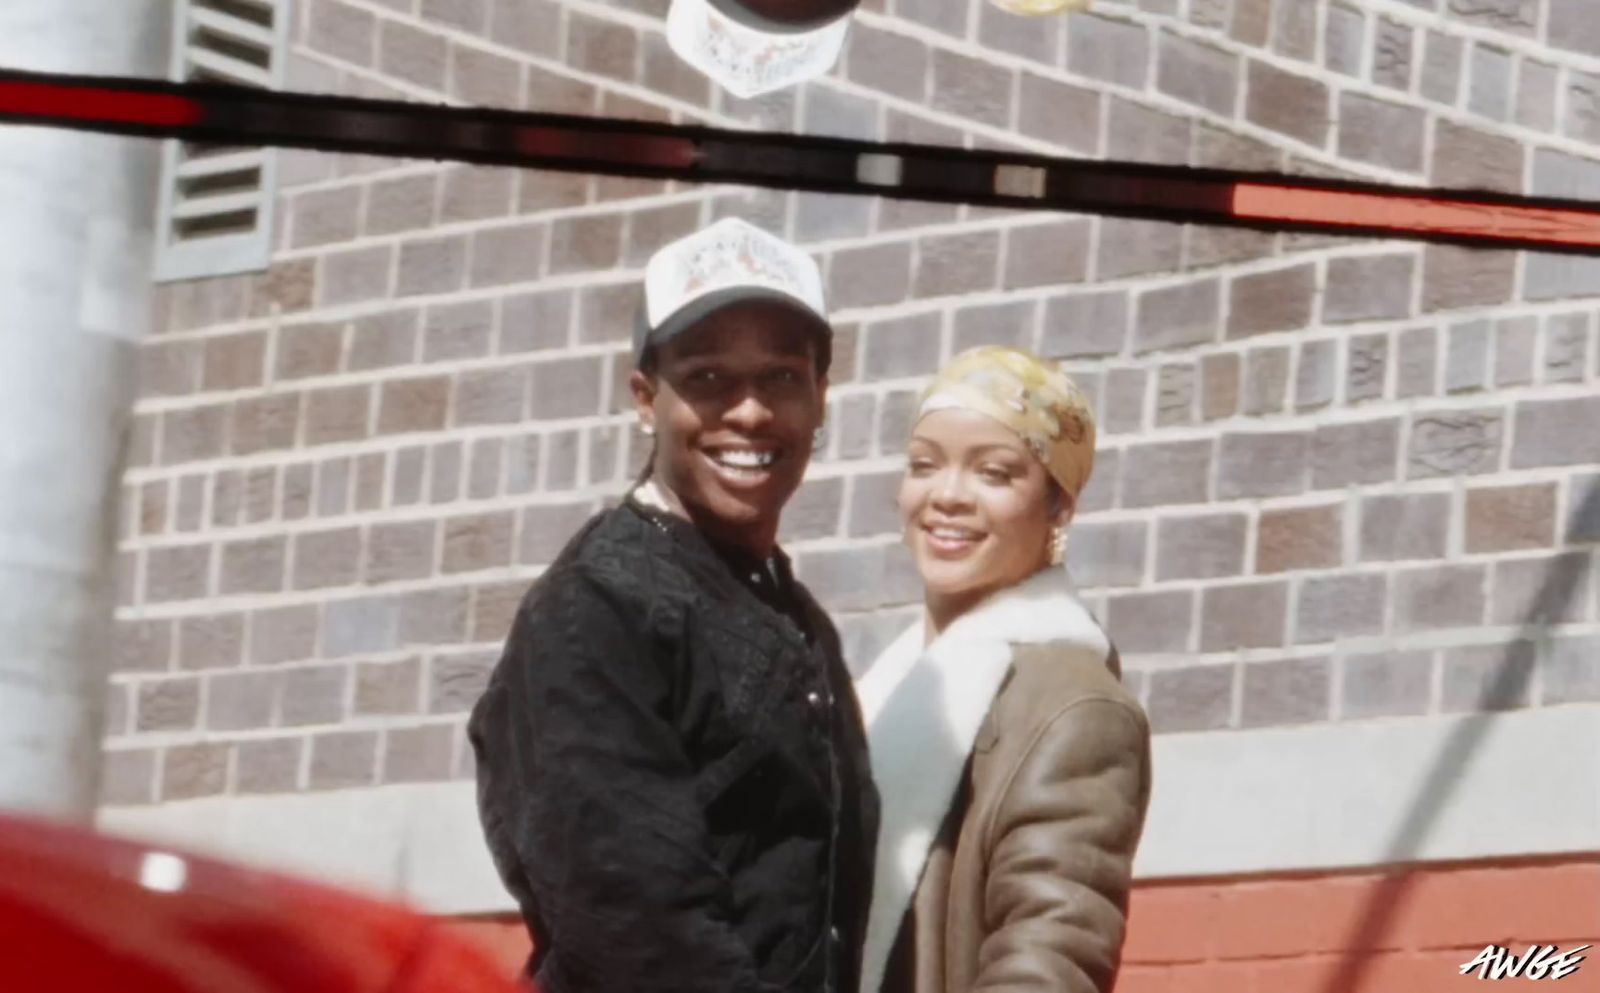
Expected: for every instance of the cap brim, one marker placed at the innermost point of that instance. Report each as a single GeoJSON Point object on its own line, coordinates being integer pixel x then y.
{"type": "Point", "coordinates": [700, 308]}
{"type": "Point", "coordinates": [748, 62]}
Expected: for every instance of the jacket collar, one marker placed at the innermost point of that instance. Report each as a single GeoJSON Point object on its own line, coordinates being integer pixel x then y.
{"type": "Point", "coordinates": [924, 708]}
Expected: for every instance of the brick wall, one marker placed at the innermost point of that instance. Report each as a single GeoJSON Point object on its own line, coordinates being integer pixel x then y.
{"type": "Point", "coordinates": [1338, 479]}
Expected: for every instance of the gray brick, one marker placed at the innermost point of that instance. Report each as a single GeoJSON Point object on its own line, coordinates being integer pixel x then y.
{"type": "Point", "coordinates": [1515, 340]}
{"type": "Point", "coordinates": [1388, 684]}
{"type": "Point", "coordinates": [241, 701]}
{"type": "Point", "coordinates": [1457, 442]}
{"type": "Point", "coordinates": [1277, 300]}
{"type": "Point", "coordinates": [1514, 16]}
{"type": "Point", "coordinates": [387, 688]}
{"type": "Point", "coordinates": [1293, 105]}
{"type": "Point", "coordinates": [268, 765]}
{"type": "Point", "coordinates": [1059, 113]}
{"type": "Point", "coordinates": [1583, 509]}
{"type": "Point", "coordinates": [283, 634]}
{"type": "Point", "coordinates": [1150, 622]}
{"type": "Point", "coordinates": [935, 14]}
{"type": "Point", "coordinates": [1369, 287]}
{"type": "Point", "coordinates": [1486, 677]}
{"type": "Point", "coordinates": [343, 759]}
{"type": "Point", "coordinates": [1466, 158]}
{"type": "Point", "coordinates": [1130, 247]}
{"type": "Point", "coordinates": [417, 755]}
{"type": "Point", "coordinates": [1418, 358]}
{"type": "Point", "coordinates": [1294, 31]}
{"type": "Point", "coordinates": [546, 529]}
{"type": "Point", "coordinates": [1381, 133]}
{"type": "Point", "coordinates": [1081, 324]}
{"type": "Point", "coordinates": [971, 88]}
{"type": "Point", "coordinates": [1178, 316]}
{"type": "Point", "coordinates": [887, 61]}
{"type": "Point", "coordinates": [948, 265]}
{"type": "Point", "coordinates": [1011, 324]}
{"type": "Point", "coordinates": [1536, 95]}
{"type": "Point", "coordinates": [1243, 615]}
{"type": "Point", "coordinates": [1358, 453]}
{"type": "Point", "coordinates": [1112, 51]}
{"type": "Point", "coordinates": [1334, 607]}
{"type": "Point", "coordinates": [1489, 93]}
{"type": "Point", "coordinates": [1439, 597]}
{"type": "Point", "coordinates": [1104, 554]}
{"type": "Point", "coordinates": [1142, 134]}
{"type": "Point", "coordinates": [1219, 386]}
{"type": "Point", "coordinates": [1543, 591]}
{"type": "Point", "coordinates": [1033, 38]}
{"type": "Point", "coordinates": [1123, 409]}
{"type": "Point", "coordinates": [1559, 277]}
{"type": "Point", "coordinates": [168, 704]}
{"type": "Point", "coordinates": [1263, 464]}
{"type": "Point", "coordinates": [1557, 174]}
{"type": "Point", "coordinates": [1467, 358]}
{"type": "Point", "coordinates": [1166, 473]}
{"type": "Point", "coordinates": [314, 695]}
{"type": "Point", "coordinates": [1294, 691]}
{"type": "Point", "coordinates": [1546, 437]}
{"type": "Point", "coordinates": [1199, 698]}
{"type": "Point", "coordinates": [1266, 380]}
{"type": "Point", "coordinates": [1395, 527]}
{"type": "Point", "coordinates": [905, 346]}
{"type": "Point", "coordinates": [457, 681]}
{"type": "Point", "coordinates": [342, 31]}
{"type": "Point", "coordinates": [1570, 670]}
{"type": "Point", "coordinates": [359, 626]}
{"type": "Point", "coordinates": [189, 772]}
{"type": "Point", "coordinates": [1344, 33]}
{"type": "Point", "coordinates": [1315, 374]}
{"type": "Point", "coordinates": [1047, 254]}
{"type": "Point", "coordinates": [870, 276]}
{"type": "Point", "coordinates": [1209, 546]}
{"type": "Point", "coordinates": [434, 617]}
{"type": "Point", "coordinates": [1391, 54]}
{"type": "Point", "coordinates": [1441, 67]}
{"type": "Point", "coordinates": [1175, 394]}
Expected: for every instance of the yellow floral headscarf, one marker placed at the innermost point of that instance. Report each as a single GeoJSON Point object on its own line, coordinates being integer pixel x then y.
{"type": "Point", "coordinates": [1029, 395]}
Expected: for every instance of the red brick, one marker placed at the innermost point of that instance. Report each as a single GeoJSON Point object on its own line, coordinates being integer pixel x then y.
{"type": "Point", "coordinates": [234, 361]}
{"type": "Point", "coordinates": [1300, 538]}
{"type": "Point", "coordinates": [1510, 518]}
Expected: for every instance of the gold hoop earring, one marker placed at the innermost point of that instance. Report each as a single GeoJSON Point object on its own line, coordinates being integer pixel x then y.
{"type": "Point", "coordinates": [1058, 544]}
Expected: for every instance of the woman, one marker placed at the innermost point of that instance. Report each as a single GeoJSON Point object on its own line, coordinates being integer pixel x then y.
{"type": "Point", "coordinates": [672, 770]}
{"type": "Point", "coordinates": [1014, 769]}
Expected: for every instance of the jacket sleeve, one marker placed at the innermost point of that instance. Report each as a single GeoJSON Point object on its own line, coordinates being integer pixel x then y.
{"type": "Point", "coordinates": [1061, 854]}
{"type": "Point", "coordinates": [581, 770]}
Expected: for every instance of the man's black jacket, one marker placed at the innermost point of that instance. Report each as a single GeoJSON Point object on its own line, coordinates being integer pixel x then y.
{"type": "Point", "coordinates": [672, 771]}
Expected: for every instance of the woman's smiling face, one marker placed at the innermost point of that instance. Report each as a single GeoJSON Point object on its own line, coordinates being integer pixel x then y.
{"type": "Point", "coordinates": [978, 508]}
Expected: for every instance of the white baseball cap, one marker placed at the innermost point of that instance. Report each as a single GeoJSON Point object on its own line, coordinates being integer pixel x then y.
{"type": "Point", "coordinates": [748, 54]}
{"type": "Point", "coordinates": [728, 262]}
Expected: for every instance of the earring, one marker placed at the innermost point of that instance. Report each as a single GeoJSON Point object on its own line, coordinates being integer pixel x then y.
{"type": "Point", "coordinates": [1058, 544]}
{"type": "Point", "coordinates": [819, 438]}
{"type": "Point", "coordinates": [648, 430]}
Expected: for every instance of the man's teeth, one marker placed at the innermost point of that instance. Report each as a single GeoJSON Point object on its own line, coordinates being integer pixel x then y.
{"type": "Point", "coordinates": [736, 459]}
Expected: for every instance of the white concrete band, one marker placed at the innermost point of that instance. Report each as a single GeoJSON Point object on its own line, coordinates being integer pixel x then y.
{"type": "Point", "coordinates": [75, 292]}
{"type": "Point", "coordinates": [1328, 797]}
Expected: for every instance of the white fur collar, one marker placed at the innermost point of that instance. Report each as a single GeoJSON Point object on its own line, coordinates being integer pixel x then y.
{"type": "Point", "coordinates": [923, 709]}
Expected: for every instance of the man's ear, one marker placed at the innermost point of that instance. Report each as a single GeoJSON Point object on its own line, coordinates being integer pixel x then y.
{"type": "Point", "coordinates": [643, 387]}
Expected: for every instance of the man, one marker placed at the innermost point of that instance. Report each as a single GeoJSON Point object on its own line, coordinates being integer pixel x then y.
{"type": "Point", "coordinates": [672, 767]}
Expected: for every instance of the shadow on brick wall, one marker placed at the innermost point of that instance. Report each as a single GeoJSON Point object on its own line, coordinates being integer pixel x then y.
{"type": "Point", "coordinates": [1509, 684]}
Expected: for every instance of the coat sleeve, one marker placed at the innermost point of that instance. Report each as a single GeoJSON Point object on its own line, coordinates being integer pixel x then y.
{"type": "Point", "coordinates": [1061, 854]}
{"type": "Point", "coordinates": [584, 776]}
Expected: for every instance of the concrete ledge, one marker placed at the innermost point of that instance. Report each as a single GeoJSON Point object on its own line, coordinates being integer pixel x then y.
{"type": "Point", "coordinates": [1331, 796]}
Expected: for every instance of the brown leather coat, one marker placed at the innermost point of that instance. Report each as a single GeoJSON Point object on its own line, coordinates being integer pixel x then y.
{"type": "Point", "coordinates": [1026, 888]}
